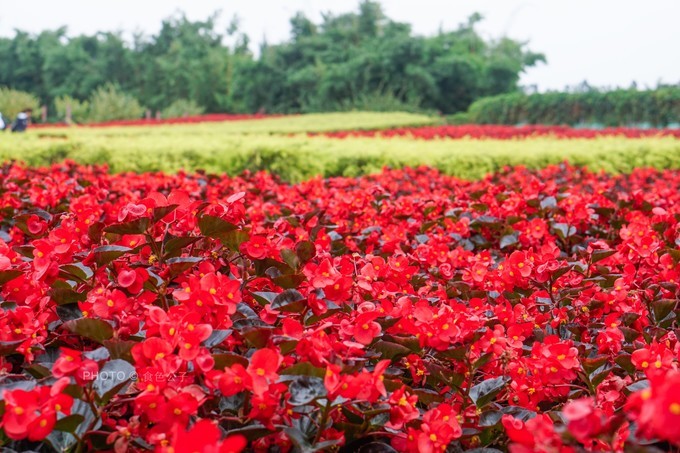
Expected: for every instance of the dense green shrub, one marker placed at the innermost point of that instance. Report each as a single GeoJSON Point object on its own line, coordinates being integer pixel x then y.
{"type": "Point", "coordinates": [13, 102]}
{"type": "Point", "coordinates": [299, 157]}
{"type": "Point", "coordinates": [182, 107]}
{"type": "Point", "coordinates": [657, 108]}
{"type": "Point", "coordinates": [458, 118]}
{"type": "Point", "coordinates": [109, 103]}
{"type": "Point", "coordinates": [79, 109]}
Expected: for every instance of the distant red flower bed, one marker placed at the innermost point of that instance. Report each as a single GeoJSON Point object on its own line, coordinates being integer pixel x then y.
{"type": "Point", "coordinates": [535, 311]}
{"type": "Point", "coordinates": [210, 118]}
{"type": "Point", "coordinates": [504, 132]}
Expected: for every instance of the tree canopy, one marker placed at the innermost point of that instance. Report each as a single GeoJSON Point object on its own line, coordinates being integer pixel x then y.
{"type": "Point", "coordinates": [361, 59]}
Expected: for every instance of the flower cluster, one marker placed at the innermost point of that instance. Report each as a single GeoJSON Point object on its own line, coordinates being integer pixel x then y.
{"type": "Point", "coordinates": [500, 132]}
{"type": "Point", "coordinates": [407, 310]}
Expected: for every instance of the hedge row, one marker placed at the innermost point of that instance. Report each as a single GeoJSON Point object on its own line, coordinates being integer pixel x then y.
{"type": "Point", "coordinates": [655, 108]}
{"type": "Point", "coordinates": [299, 157]}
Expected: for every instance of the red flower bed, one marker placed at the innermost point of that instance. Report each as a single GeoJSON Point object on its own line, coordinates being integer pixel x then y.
{"type": "Point", "coordinates": [533, 310]}
{"type": "Point", "coordinates": [505, 132]}
{"type": "Point", "coordinates": [209, 118]}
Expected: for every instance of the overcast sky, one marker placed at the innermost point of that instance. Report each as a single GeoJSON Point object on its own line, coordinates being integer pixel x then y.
{"type": "Point", "coordinates": [606, 42]}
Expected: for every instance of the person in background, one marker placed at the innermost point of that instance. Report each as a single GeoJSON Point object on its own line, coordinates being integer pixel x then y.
{"type": "Point", "coordinates": [22, 121]}
{"type": "Point", "coordinates": [2, 123]}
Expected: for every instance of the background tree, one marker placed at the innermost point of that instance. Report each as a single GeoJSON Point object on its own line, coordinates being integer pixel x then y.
{"type": "Point", "coordinates": [360, 59]}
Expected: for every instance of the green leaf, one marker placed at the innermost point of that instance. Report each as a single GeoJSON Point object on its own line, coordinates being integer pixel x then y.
{"type": "Point", "coordinates": [111, 378]}
{"type": "Point", "coordinates": [564, 230]}
{"type": "Point", "coordinates": [227, 359]}
{"type": "Point", "coordinates": [69, 424]}
{"type": "Point", "coordinates": [137, 226]}
{"type": "Point", "coordinates": [94, 329]}
{"type": "Point", "coordinates": [305, 389]}
{"type": "Point", "coordinates": [662, 308]}
{"type": "Point", "coordinates": [120, 349]}
{"type": "Point", "coordinates": [289, 281]}
{"type": "Point", "coordinates": [174, 245]}
{"type": "Point", "coordinates": [298, 438]}
{"type": "Point", "coordinates": [508, 240]}
{"type": "Point", "coordinates": [519, 413]}
{"type": "Point", "coordinates": [290, 258]}
{"type": "Point", "coordinates": [264, 297]}
{"type": "Point", "coordinates": [458, 353]}
{"type": "Point", "coordinates": [105, 254]}
{"type": "Point", "coordinates": [304, 369]}
{"type": "Point", "coordinates": [216, 337]}
{"type": "Point", "coordinates": [637, 386]}
{"type": "Point", "coordinates": [389, 350]}
{"type": "Point", "coordinates": [98, 355]}
{"type": "Point", "coordinates": [64, 295]}
{"type": "Point", "coordinates": [305, 251]}
{"type": "Point", "coordinates": [490, 418]}
{"type": "Point", "coordinates": [94, 232]}
{"type": "Point", "coordinates": [599, 255]}
{"type": "Point", "coordinates": [162, 211]}
{"type": "Point", "coordinates": [590, 365]}
{"type": "Point", "coordinates": [69, 312]}
{"type": "Point", "coordinates": [443, 375]}
{"type": "Point", "coordinates": [78, 270]}
{"type": "Point", "coordinates": [428, 396]}
{"type": "Point", "coordinates": [24, 250]}
{"type": "Point", "coordinates": [181, 264]}
{"type": "Point", "coordinates": [600, 375]}
{"type": "Point", "coordinates": [289, 301]}
{"type": "Point", "coordinates": [233, 239]}
{"type": "Point", "coordinates": [624, 361]}
{"type": "Point", "coordinates": [483, 360]}
{"type": "Point", "coordinates": [629, 334]}
{"type": "Point", "coordinates": [214, 227]}
{"type": "Point", "coordinates": [257, 336]}
{"type": "Point", "coordinates": [482, 393]}
{"type": "Point", "coordinates": [9, 275]}
{"type": "Point", "coordinates": [8, 347]}
{"type": "Point", "coordinates": [548, 202]}
{"type": "Point", "coordinates": [410, 342]}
